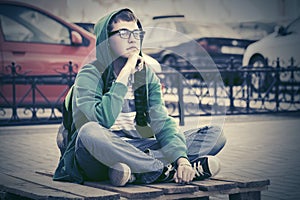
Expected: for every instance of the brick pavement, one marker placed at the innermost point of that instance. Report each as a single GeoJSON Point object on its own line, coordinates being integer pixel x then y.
{"type": "Point", "coordinates": [257, 146]}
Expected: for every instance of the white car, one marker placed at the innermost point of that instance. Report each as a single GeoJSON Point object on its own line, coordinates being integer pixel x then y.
{"type": "Point", "coordinates": [283, 44]}
{"type": "Point", "coordinates": [175, 41]}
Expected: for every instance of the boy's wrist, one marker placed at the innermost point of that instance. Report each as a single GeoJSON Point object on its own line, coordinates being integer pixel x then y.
{"type": "Point", "coordinates": [123, 78]}
{"type": "Point", "coordinates": [183, 161]}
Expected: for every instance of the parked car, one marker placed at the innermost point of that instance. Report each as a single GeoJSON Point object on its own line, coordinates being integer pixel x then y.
{"type": "Point", "coordinates": [284, 43]}
{"type": "Point", "coordinates": [164, 35]}
{"type": "Point", "coordinates": [41, 43]}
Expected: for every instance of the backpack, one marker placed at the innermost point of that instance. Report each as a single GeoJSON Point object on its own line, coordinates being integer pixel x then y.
{"type": "Point", "coordinates": [67, 128]}
{"type": "Point", "coordinates": [65, 131]}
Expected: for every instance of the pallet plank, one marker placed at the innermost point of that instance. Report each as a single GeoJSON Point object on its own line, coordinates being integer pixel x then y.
{"type": "Point", "coordinates": [245, 182]}
{"type": "Point", "coordinates": [72, 188]}
{"type": "Point", "coordinates": [130, 191]}
{"type": "Point", "coordinates": [10, 185]}
{"type": "Point", "coordinates": [174, 188]}
{"type": "Point", "coordinates": [213, 185]}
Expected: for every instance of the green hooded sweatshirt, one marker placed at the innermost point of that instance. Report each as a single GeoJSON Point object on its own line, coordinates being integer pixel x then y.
{"type": "Point", "coordinates": [96, 97]}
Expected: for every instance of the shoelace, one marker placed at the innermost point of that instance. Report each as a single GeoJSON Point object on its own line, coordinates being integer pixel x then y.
{"type": "Point", "coordinates": [169, 169]}
{"type": "Point", "coordinates": [198, 169]}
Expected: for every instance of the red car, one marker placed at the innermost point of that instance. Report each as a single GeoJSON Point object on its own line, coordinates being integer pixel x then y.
{"type": "Point", "coordinates": [41, 43]}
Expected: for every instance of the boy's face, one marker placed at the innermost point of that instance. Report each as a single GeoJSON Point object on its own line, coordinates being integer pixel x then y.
{"type": "Point", "coordinates": [124, 47]}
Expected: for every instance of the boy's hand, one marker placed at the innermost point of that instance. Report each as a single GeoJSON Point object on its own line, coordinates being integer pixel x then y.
{"type": "Point", "coordinates": [185, 173]}
{"type": "Point", "coordinates": [135, 63]}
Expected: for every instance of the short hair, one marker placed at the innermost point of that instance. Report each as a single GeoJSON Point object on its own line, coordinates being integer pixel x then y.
{"type": "Point", "coordinates": [123, 15]}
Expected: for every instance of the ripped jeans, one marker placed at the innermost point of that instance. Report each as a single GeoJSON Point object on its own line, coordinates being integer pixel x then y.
{"type": "Point", "coordinates": [96, 152]}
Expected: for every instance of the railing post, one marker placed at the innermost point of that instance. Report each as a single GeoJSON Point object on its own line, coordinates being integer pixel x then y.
{"type": "Point", "coordinates": [216, 105]}
{"type": "Point", "coordinates": [277, 75]}
{"type": "Point", "coordinates": [180, 99]}
{"type": "Point", "coordinates": [34, 117]}
{"type": "Point", "coordinates": [70, 70]}
{"type": "Point", "coordinates": [70, 75]}
{"type": "Point", "coordinates": [13, 68]}
{"type": "Point", "coordinates": [293, 81]}
{"type": "Point", "coordinates": [249, 87]}
{"type": "Point", "coordinates": [230, 83]}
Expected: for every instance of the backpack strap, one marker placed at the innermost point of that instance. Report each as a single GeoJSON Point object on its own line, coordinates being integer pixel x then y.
{"type": "Point", "coordinates": [140, 97]}
{"type": "Point", "coordinates": [67, 112]}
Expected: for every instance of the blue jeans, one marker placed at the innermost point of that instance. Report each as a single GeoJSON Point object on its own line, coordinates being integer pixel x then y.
{"type": "Point", "coordinates": [97, 148]}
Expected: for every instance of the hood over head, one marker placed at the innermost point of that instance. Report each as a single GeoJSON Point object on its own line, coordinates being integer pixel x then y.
{"type": "Point", "coordinates": [103, 53]}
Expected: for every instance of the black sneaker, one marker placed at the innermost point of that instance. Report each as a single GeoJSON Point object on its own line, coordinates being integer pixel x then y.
{"type": "Point", "coordinates": [120, 174]}
{"type": "Point", "coordinates": [167, 175]}
{"type": "Point", "coordinates": [206, 167]}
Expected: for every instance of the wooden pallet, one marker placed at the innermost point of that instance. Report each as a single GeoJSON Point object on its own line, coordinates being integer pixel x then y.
{"type": "Point", "coordinates": [40, 186]}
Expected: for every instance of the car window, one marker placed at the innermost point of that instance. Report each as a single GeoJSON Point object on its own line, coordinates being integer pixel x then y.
{"type": "Point", "coordinates": [205, 30]}
{"type": "Point", "coordinates": [26, 25]}
{"type": "Point", "coordinates": [294, 27]}
{"type": "Point", "coordinates": [185, 28]}
{"type": "Point", "coordinates": [160, 34]}
{"type": "Point", "coordinates": [14, 31]}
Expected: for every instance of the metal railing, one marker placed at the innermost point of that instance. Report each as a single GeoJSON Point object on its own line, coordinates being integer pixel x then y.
{"type": "Point", "coordinates": [33, 99]}
{"type": "Point", "coordinates": [25, 99]}
{"type": "Point", "coordinates": [241, 90]}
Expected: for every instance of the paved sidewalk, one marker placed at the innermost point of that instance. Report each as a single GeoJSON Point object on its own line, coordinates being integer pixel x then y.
{"type": "Point", "coordinates": [257, 146]}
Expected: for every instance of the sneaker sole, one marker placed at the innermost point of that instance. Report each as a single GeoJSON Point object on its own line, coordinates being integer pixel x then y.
{"type": "Point", "coordinates": [119, 174]}
{"type": "Point", "coordinates": [214, 165]}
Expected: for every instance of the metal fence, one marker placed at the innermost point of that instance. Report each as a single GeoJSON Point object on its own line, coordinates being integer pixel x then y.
{"type": "Point", "coordinates": [25, 99]}
{"type": "Point", "coordinates": [242, 90]}
{"type": "Point", "coordinates": [33, 99]}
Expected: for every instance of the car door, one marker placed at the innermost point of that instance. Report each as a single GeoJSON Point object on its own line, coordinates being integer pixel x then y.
{"type": "Point", "coordinates": [36, 42]}
{"type": "Point", "coordinates": [283, 44]}
{"type": "Point", "coordinates": [289, 43]}
{"type": "Point", "coordinates": [41, 45]}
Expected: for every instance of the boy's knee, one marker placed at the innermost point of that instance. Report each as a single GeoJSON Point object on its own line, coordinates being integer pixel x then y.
{"type": "Point", "coordinates": [90, 130]}
{"type": "Point", "coordinates": [220, 141]}
{"type": "Point", "coordinates": [89, 126]}
{"type": "Point", "coordinates": [217, 130]}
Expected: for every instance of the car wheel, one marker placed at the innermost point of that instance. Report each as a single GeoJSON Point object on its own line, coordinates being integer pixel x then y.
{"type": "Point", "coordinates": [170, 61]}
{"type": "Point", "coordinates": [257, 61]}
{"type": "Point", "coordinates": [260, 80]}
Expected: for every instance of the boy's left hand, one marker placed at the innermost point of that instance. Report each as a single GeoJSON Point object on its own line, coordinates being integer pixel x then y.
{"type": "Point", "coordinates": [185, 172]}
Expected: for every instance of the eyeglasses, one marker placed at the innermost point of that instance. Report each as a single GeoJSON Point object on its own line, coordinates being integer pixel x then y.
{"type": "Point", "coordinates": [125, 33]}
